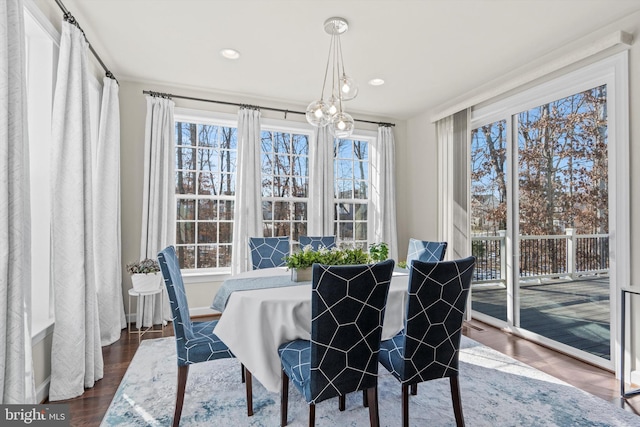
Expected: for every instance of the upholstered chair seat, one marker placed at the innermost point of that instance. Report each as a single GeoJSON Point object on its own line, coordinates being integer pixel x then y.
{"type": "Point", "coordinates": [347, 310]}
{"type": "Point", "coordinates": [429, 345]}
{"type": "Point", "coordinates": [195, 341]}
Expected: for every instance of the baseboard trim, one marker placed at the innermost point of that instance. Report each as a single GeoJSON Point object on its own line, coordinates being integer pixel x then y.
{"type": "Point", "coordinates": [42, 393]}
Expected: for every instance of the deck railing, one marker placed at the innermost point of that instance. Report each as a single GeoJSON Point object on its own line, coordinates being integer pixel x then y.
{"type": "Point", "coordinates": [568, 255]}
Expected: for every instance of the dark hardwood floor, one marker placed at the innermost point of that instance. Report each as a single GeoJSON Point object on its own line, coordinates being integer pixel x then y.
{"type": "Point", "coordinates": [89, 409]}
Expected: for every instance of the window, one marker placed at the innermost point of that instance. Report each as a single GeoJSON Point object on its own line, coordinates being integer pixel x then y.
{"type": "Point", "coordinates": [42, 54]}
{"type": "Point", "coordinates": [206, 157]}
{"type": "Point", "coordinates": [351, 180]}
{"type": "Point", "coordinates": [285, 183]}
{"type": "Point", "coordinates": [549, 194]}
{"type": "Point", "coordinates": [206, 164]}
{"type": "Point", "coordinates": [42, 50]}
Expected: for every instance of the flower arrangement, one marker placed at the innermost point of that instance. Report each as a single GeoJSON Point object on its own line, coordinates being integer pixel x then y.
{"type": "Point", "coordinates": [335, 256]}
{"type": "Point", "coordinates": [146, 266]}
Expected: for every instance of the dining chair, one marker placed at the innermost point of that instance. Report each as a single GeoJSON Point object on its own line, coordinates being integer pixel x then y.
{"type": "Point", "coordinates": [425, 251]}
{"type": "Point", "coordinates": [347, 310]}
{"type": "Point", "coordinates": [195, 341]}
{"type": "Point", "coordinates": [317, 242]}
{"type": "Point", "coordinates": [268, 252]}
{"type": "Point", "coordinates": [429, 345]}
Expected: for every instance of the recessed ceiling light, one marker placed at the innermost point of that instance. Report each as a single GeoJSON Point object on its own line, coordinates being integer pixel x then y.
{"type": "Point", "coordinates": [376, 82]}
{"type": "Point", "coordinates": [230, 53]}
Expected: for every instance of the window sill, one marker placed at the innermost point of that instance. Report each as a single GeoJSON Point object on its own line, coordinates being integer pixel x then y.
{"type": "Point", "coordinates": [189, 277]}
{"type": "Point", "coordinates": [41, 330]}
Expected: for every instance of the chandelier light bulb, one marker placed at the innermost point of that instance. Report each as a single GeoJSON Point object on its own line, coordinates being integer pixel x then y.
{"type": "Point", "coordinates": [341, 125]}
{"type": "Point", "coordinates": [348, 88]}
{"type": "Point", "coordinates": [332, 105]}
{"type": "Point", "coordinates": [318, 113]}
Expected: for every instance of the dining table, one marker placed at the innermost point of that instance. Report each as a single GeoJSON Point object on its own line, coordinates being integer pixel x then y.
{"type": "Point", "coordinates": [262, 309]}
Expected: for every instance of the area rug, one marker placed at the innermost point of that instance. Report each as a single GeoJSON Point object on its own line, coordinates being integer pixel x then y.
{"type": "Point", "coordinates": [496, 391]}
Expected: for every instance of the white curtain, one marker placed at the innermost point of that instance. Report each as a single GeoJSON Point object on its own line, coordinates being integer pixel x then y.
{"type": "Point", "coordinates": [106, 225]}
{"type": "Point", "coordinates": [453, 191]}
{"type": "Point", "coordinates": [159, 199]}
{"type": "Point", "coordinates": [382, 207]}
{"type": "Point", "coordinates": [16, 374]}
{"type": "Point", "coordinates": [76, 355]}
{"type": "Point", "coordinates": [444, 137]}
{"type": "Point", "coordinates": [247, 213]}
{"type": "Point", "coordinates": [321, 192]}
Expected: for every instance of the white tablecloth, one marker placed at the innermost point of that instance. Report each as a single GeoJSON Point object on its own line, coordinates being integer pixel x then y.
{"type": "Point", "coordinates": [256, 322]}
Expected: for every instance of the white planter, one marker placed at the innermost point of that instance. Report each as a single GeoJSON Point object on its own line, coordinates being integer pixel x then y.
{"type": "Point", "coordinates": [146, 282]}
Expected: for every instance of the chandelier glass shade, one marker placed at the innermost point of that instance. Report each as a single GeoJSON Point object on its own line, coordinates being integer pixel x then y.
{"type": "Point", "coordinates": [330, 111]}
{"type": "Point", "coordinates": [341, 125]}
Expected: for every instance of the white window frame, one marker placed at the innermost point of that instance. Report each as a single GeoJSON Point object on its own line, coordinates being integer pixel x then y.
{"type": "Point", "coordinates": [371, 138]}
{"type": "Point", "coordinates": [187, 115]}
{"type": "Point", "coordinates": [614, 72]}
{"type": "Point", "coordinates": [272, 125]}
{"type": "Point", "coordinates": [42, 44]}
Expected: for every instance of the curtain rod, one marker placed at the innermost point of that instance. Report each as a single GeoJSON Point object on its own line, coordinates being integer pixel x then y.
{"type": "Point", "coordinates": [257, 107]}
{"type": "Point", "coordinates": [71, 20]}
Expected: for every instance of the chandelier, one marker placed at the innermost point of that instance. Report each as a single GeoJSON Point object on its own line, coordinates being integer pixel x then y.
{"type": "Point", "coordinates": [331, 112]}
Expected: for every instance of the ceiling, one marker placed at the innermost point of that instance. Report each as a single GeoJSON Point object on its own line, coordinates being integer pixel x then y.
{"type": "Point", "coordinates": [427, 51]}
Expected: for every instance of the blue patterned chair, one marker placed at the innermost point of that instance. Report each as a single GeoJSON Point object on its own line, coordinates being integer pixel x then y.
{"type": "Point", "coordinates": [267, 252]}
{"type": "Point", "coordinates": [347, 310]}
{"type": "Point", "coordinates": [195, 341]}
{"type": "Point", "coordinates": [429, 345]}
{"type": "Point", "coordinates": [425, 251]}
{"type": "Point", "coordinates": [317, 242]}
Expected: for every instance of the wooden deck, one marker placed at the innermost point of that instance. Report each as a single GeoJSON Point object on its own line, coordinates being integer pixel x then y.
{"type": "Point", "coordinates": [575, 313]}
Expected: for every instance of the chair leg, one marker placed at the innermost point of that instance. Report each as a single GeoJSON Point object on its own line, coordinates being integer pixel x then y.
{"type": "Point", "coordinates": [312, 415]}
{"type": "Point", "coordinates": [183, 373]}
{"type": "Point", "coordinates": [341, 402]}
{"type": "Point", "coordinates": [365, 401]}
{"type": "Point", "coordinates": [405, 405]}
{"type": "Point", "coordinates": [249, 390]}
{"type": "Point", "coordinates": [457, 402]}
{"type": "Point", "coordinates": [284, 399]}
{"type": "Point", "coordinates": [414, 389]}
{"type": "Point", "coordinates": [242, 372]}
{"type": "Point", "coordinates": [374, 415]}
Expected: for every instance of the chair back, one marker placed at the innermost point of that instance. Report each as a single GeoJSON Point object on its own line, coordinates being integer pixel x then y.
{"type": "Point", "coordinates": [347, 310]}
{"type": "Point", "coordinates": [435, 310]}
{"type": "Point", "coordinates": [268, 252]}
{"type": "Point", "coordinates": [182, 326]}
{"type": "Point", "coordinates": [317, 242]}
{"type": "Point", "coordinates": [425, 251]}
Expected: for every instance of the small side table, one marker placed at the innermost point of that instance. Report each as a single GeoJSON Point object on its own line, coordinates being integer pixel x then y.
{"type": "Point", "coordinates": [141, 298]}
{"type": "Point", "coordinates": [623, 340]}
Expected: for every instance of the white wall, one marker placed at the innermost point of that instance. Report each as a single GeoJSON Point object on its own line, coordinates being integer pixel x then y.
{"type": "Point", "coordinates": [417, 183]}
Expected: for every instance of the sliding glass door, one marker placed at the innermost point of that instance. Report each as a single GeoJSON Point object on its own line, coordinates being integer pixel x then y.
{"type": "Point", "coordinates": [540, 218]}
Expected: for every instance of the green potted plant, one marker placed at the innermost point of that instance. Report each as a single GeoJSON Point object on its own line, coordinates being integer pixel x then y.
{"type": "Point", "coordinates": [300, 262]}
{"type": "Point", "coordinates": [145, 275]}
{"type": "Point", "coordinates": [378, 252]}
